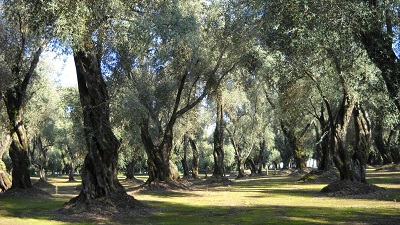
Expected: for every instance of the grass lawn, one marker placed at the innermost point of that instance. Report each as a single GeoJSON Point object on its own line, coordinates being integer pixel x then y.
{"type": "Point", "coordinates": [274, 199]}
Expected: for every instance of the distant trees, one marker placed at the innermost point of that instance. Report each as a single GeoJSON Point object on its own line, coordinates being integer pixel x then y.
{"type": "Point", "coordinates": [24, 36]}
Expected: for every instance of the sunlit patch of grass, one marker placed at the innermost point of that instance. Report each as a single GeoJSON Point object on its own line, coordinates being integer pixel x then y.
{"type": "Point", "coordinates": [22, 221]}
{"type": "Point", "coordinates": [17, 210]}
{"type": "Point", "coordinates": [267, 200]}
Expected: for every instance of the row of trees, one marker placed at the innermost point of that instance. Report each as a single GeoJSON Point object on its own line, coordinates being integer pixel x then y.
{"type": "Point", "coordinates": [296, 77]}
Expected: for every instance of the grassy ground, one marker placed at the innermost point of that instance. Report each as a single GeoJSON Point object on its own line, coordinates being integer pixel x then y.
{"type": "Point", "coordinates": [270, 199]}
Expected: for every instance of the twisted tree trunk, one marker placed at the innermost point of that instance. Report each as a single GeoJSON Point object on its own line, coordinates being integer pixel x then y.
{"type": "Point", "coordinates": [100, 169]}
{"type": "Point", "coordinates": [161, 168]}
{"type": "Point", "coordinates": [19, 144]}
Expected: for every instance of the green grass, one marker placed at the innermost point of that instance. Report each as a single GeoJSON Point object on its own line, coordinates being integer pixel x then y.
{"type": "Point", "coordinates": [262, 200]}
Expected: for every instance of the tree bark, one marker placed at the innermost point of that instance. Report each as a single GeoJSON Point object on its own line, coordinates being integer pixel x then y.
{"type": "Point", "coordinates": [100, 169]}
{"type": "Point", "coordinates": [19, 144]}
{"type": "Point", "coordinates": [5, 182]}
{"type": "Point", "coordinates": [261, 162]}
{"type": "Point", "coordinates": [363, 142]}
{"type": "Point", "coordinates": [378, 43]}
{"type": "Point", "coordinates": [71, 170]}
{"type": "Point", "coordinates": [184, 159]}
{"type": "Point", "coordinates": [40, 163]}
{"type": "Point", "coordinates": [381, 144]}
{"type": "Point", "coordinates": [325, 158]}
{"type": "Point", "coordinates": [295, 145]}
{"type": "Point", "coordinates": [158, 157]}
{"type": "Point", "coordinates": [158, 151]}
{"type": "Point", "coordinates": [252, 166]}
{"type": "Point", "coordinates": [338, 137]}
{"type": "Point", "coordinates": [195, 161]}
{"type": "Point", "coordinates": [130, 169]}
{"type": "Point", "coordinates": [218, 152]}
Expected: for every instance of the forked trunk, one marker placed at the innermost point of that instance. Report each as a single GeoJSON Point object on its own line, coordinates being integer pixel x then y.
{"type": "Point", "coordinates": [100, 169]}
{"type": "Point", "coordinates": [160, 167]}
{"type": "Point", "coordinates": [251, 165]}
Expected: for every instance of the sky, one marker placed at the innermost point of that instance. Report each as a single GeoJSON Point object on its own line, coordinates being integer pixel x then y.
{"type": "Point", "coordinates": [68, 73]}
{"type": "Point", "coordinates": [64, 68]}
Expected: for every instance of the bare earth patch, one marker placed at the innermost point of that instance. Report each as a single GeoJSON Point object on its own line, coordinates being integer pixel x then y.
{"type": "Point", "coordinates": [214, 181]}
{"type": "Point", "coordinates": [120, 207]}
{"type": "Point", "coordinates": [25, 193]}
{"type": "Point", "coordinates": [164, 186]}
{"type": "Point", "coordinates": [346, 188]}
{"type": "Point", "coordinates": [320, 176]}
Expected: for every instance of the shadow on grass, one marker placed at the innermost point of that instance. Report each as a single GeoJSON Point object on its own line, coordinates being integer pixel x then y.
{"type": "Point", "coordinates": [170, 211]}
{"type": "Point", "coordinates": [275, 214]}
{"type": "Point", "coordinates": [177, 213]}
{"type": "Point", "coordinates": [29, 207]}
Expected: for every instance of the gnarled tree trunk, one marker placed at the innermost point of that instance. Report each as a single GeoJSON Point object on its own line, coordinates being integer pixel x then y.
{"type": "Point", "coordinates": [19, 144]}
{"type": "Point", "coordinates": [160, 167]}
{"type": "Point", "coordinates": [338, 138]}
{"type": "Point", "coordinates": [100, 169]}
